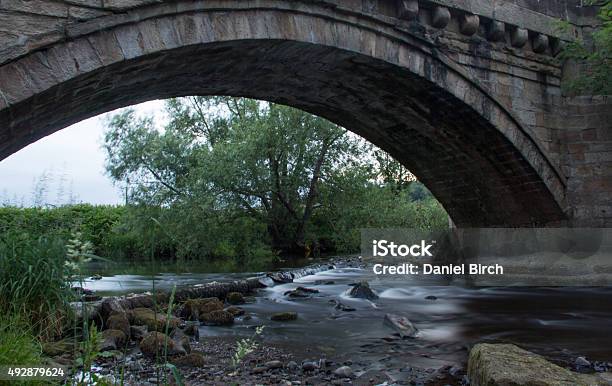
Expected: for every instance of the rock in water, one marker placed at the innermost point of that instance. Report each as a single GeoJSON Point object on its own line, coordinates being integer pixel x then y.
{"type": "Point", "coordinates": [235, 298]}
{"type": "Point", "coordinates": [363, 291]}
{"type": "Point", "coordinates": [509, 365]}
{"type": "Point", "coordinates": [401, 324]}
{"type": "Point", "coordinates": [284, 316]}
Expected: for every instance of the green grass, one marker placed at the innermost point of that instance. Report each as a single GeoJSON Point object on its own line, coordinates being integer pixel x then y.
{"type": "Point", "coordinates": [18, 345]}
{"type": "Point", "coordinates": [32, 282]}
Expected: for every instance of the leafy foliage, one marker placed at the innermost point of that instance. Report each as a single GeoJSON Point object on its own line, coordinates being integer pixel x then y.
{"type": "Point", "coordinates": [593, 54]}
{"type": "Point", "coordinates": [240, 177]}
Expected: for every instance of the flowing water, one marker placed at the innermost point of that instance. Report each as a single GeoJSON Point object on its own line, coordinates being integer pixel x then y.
{"type": "Point", "coordinates": [560, 323]}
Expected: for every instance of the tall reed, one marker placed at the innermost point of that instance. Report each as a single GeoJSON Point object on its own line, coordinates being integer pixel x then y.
{"type": "Point", "coordinates": [32, 282]}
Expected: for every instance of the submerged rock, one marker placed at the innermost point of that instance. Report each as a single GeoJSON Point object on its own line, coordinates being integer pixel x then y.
{"type": "Point", "coordinates": [217, 318]}
{"type": "Point", "coordinates": [363, 291]}
{"type": "Point", "coordinates": [284, 316]}
{"type": "Point", "coordinates": [401, 325]}
{"type": "Point", "coordinates": [112, 340]}
{"type": "Point", "coordinates": [301, 292]}
{"type": "Point", "coordinates": [341, 306]}
{"type": "Point", "coordinates": [235, 298]}
{"type": "Point", "coordinates": [510, 365]}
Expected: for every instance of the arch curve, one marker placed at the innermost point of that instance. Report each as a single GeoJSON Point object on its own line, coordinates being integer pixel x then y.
{"type": "Point", "coordinates": [390, 86]}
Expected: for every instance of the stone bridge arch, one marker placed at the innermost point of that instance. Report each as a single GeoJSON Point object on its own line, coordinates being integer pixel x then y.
{"type": "Point", "coordinates": [391, 85]}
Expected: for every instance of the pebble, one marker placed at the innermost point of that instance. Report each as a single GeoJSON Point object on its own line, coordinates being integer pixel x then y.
{"type": "Point", "coordinates": [309, 366]}
{"type": "Point", "coordinates": [259, 369]}
{"type": "Point", "coordinates": [292, 365]}
{"type": "Point", "coordinates": [274, 364]}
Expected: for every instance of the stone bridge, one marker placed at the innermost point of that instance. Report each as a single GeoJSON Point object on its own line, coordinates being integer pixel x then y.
{"type": "Point", "coordinates": [465, 93]}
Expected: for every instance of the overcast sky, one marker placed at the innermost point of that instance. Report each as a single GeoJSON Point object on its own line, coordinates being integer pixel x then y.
{"type": "Point", "coordinates": [71, 163]}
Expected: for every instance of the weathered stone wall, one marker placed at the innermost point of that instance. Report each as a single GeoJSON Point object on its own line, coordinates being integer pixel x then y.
{"type": "Point", "coordinates": [404, 73]}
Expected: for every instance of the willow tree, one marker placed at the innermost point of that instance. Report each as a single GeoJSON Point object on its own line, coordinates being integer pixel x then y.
{"type": "Point", "coordinates": [236, 155]}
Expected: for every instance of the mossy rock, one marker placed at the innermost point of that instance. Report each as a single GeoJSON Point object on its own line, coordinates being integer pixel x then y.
{"type": "Point", "coordinates": [194, 359]}
{"type": "Point", "coordinates": [235, 298]}
{"type": "Point", "coordinates": [53, 349]}
{"type": "Point", "coordinates": [217, 318]}
{"type": "Point", "coordinates": [112, 340]}
{"type": "Point", "coordinates": [154, 321]}
{"type": "Point", "coordinates": [284, 316]}
{"type": "Point", "coordinates": [236, 311]}
{"type": "Point", "coordinates": [193, 308]}
{"type": "Point", "coordinates": [119, 321]}
{"type": "Point", "coordinates": [509, 365]}
{"type": "Point", "coordinates": [154, 343]}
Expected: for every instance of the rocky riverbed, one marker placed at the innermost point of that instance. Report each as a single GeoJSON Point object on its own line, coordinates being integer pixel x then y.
{"type": "Point", "coordinates": [343, 326]}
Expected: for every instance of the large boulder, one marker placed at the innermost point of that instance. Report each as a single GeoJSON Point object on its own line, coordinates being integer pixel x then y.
{"type": "Point", "coordinates": [112, 340]}
{"type": "Point", "coordinates": [235, 298]}
{"type": "Point", "coordinates": [402, 325]}
{"type": "Point", "coordinates": [154, 321]}
{"type": "Point", "coordinates": [191, 309]}
{"type": "Point", "coordinates": [154, 344]}
{"type": "Point", "coordinates": [509, 365]}
{"type": "Point", "coordinates": [363, 291]}
{"type": "Point", "coordinates": [217, 318]}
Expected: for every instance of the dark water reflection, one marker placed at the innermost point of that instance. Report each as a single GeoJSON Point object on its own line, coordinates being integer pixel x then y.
{"type": "Point", "coordinates": [560, 323]}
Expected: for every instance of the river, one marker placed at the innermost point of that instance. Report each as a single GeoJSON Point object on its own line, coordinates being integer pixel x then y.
{"type": "Point", "coordinates": [560, 323]}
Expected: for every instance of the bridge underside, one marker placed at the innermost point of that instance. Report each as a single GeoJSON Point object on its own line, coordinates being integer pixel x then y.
{"type": "Point", "coordinates": [474, 170]}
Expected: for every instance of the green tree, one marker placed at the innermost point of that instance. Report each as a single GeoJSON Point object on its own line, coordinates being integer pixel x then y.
{"type": "Point", "coordinates": [228, 175]}
{"type": "Point", "coordinates": [234, 154]}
